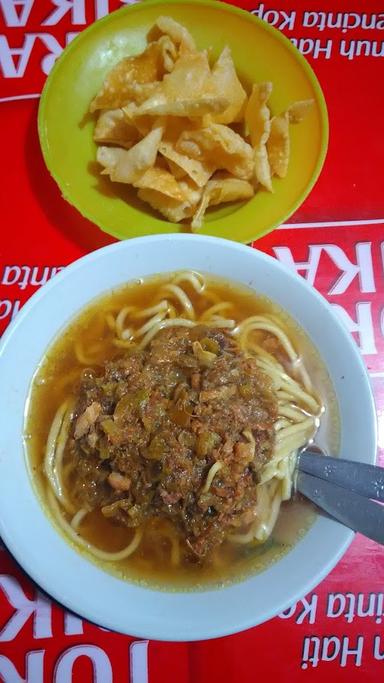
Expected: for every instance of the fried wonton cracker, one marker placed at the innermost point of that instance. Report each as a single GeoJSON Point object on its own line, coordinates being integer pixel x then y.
{"type": "Point", "coordinates": [220, 146]}
{"type": "Point", "coordinates": [121, 83]}
{"type": "Point", "coordinates": [258, 124]}
{"type": "Point", "coordinates": [278, 145]}
{"type": "Point", "coordinates": [176, 125]}
{"type": "Point", "coordinates": [168, 52]}
{"type": "Point", "coordinates": [161, 180]}
{"type": "Point", "coordinates": [178, 34]}
{"type": "Point", "coordinates": [189, 79]}
{"type": "Point", "coordinates": [176, 170]}
{"type": "Point", "coordinates": [126, 166]}
{"type": "Point", "coordinates": [219, 191]}
{"type": "Point", "coordinates": [298, 110]}
{"type": "Point", "coordinates": [140, 92]}
{"type": "Point", "coordinates": [187, 91]}
{"type": "Point", "coordinates": [109, 157]}
{"type": "Point", "coordinates": [158, 105]}
{"type": "Point", "coordinates": [192, 193]}
{"type": "Point", "coordinates": [226, 84]}
{"type": "Point", "coordinates": [143, 124]}
{"type": "Point", "coordinates": [198, 171]}
{"type": "Point", "coordinates": [114, 128]}
{"type": "Point", "coordinates": [172, 209]}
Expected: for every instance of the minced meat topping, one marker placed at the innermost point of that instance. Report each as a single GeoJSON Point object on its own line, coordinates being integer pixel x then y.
{"type": "Point", "coordinates": [149, 426]}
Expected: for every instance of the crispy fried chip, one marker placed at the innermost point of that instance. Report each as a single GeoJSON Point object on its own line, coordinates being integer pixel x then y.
{"type": "Point", "coordinates": [168, 52]}
{"type": "Point", "coordinates": [176, 125]}
{"type": "Point", "coordinates": [257, 115]}
{"type": "Point", "coordinates": [257, 121]}
{"type": "Point", "coordinates": [161, 180]}
{"type": "Point", "coordinates": [178, 34]}
{"type": "Point", "coordinates": [126, 166]}
{"type": "Point", "coordinates": [109, 157]}
{"type": "Point", "coordinates": [159, 106]}
{"type": "Point", "coordinates": [298, 110]}
{"type": "Point", "coordinates": [278, 145]}
{"type": "Point", "coordinates": [191, 77]}
{"type": "Point", "coordinates": [114, 128]}
{"type": "Point", "coordinates": [191, 192]}
{"type": "Point", "coordinates": [122, 83]}
{"type": "Point", "coordinates": [186, 91]}
{"type": "Point", "coordinates": [229, 189]}
{"type": "Point", "coordinates": [176, 170]}
{"type": "Point", "coordinates": [226, 84]}
{"type": "Point", "coordinates": [198, 171]}
{"type": "Point", "coordinates": [143, 124]}
{"type": "Point", "coordinates": [219, 191]}
{"type": "Point", "coordinates": [172, 209]}
{"type": "Point", "coordinates": [140, 92]}
{"type": "Point", "coordinates": [220, 146]}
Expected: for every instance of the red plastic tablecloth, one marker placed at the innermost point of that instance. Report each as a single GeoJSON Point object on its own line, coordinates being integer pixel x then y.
{"type": "Point", "coordinates": [335, 240]}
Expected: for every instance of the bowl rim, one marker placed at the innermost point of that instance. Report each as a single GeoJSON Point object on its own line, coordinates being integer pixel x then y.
{"type": "Point", "coordinates": [204, 631]}
{"type": "Point", "coordinates": [222, 6]}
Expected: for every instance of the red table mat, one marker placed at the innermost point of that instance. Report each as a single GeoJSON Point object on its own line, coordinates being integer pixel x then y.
{"type": "Point", "coordinates": [335, 241]}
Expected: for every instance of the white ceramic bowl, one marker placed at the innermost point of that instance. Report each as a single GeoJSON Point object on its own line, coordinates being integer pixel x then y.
{"type": "Point", "coordinates": [73, 580]}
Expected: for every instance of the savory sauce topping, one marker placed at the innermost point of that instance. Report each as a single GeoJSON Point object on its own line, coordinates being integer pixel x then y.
{"type": "Point", "coordinates": [177, 431]}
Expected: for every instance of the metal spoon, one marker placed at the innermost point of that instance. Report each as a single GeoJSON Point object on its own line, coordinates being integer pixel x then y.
{"type": "Point", "coordinates": [344, 489]}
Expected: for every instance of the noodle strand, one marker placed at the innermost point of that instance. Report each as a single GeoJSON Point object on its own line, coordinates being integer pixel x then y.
{"type": "Point", "coordinates": [214, 469]}
{"type": "Point", "coordinates": [97, 552]}
{"type": "Point", "coordinates": [54, 451]}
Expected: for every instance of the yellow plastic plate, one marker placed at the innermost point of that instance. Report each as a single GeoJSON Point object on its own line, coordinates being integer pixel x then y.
{"type": "Point", "coordinates": [260, 53]}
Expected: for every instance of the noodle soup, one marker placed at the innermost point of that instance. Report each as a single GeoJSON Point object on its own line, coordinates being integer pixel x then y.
{"type": "Point", "coordinates": [163, 425]}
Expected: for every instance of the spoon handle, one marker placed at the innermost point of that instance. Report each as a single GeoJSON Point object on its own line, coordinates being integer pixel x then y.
{"type": "Point", "coordinates": [367, 480]}
{"type": "Point", "coordinates": [349, 508]}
